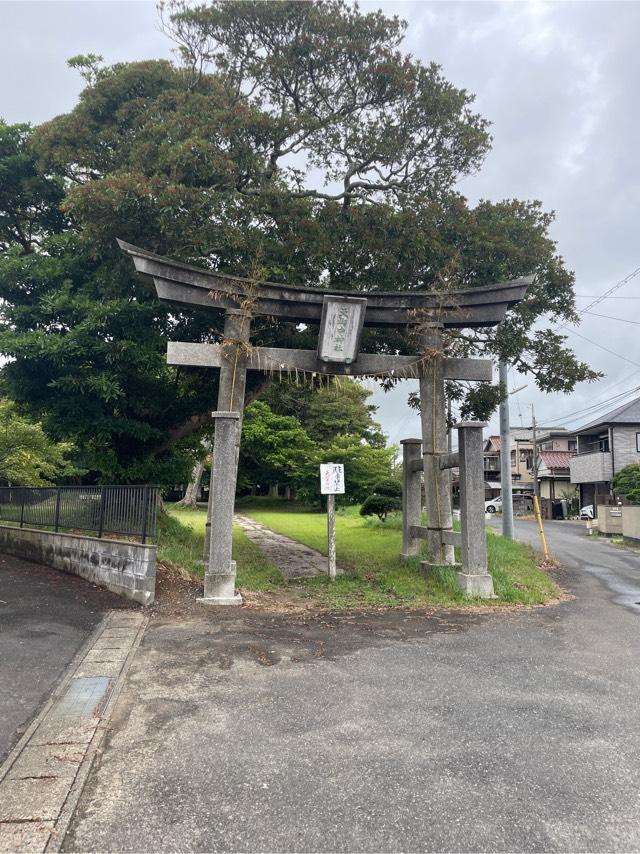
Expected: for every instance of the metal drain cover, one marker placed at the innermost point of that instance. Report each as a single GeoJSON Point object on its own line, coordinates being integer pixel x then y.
{"type": "Point", "coordinates": [86, 698]}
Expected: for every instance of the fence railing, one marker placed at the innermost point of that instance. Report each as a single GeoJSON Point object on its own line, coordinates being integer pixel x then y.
{"type": "Point", "coordinates": [128, 511]}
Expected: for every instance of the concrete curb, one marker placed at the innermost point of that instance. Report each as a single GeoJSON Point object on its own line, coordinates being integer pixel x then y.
{"type": "Point", "coordinates": [42, 779]}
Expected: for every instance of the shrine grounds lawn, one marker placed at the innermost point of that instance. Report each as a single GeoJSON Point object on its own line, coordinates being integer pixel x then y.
{"type": "Point", "coordinates": [368, 549]}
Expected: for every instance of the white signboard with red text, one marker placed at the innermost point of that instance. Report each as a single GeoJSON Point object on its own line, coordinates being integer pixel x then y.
{"type": "Point", "coordinates": [332, 479]}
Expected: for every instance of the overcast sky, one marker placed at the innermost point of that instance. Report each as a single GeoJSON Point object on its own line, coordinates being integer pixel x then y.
{"type": "Point", "coordinates": [557, 80]}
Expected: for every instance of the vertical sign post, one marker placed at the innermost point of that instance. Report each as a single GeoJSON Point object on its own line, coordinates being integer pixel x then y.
{"type": "Point", "coordinates": [331, 484]}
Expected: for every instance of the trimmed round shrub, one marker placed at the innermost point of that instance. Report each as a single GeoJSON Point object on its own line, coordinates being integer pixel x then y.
{"type": "Point", "coordinates": [388, 486]}
{"type": "Point", "coordinates": [380, 505]}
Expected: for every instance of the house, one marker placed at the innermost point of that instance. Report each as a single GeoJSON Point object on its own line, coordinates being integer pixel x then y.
{"type": "Point", "coordinates": [554, 451]}
{"type": "Point", "coordinates": [522, 459]}
{"type": "Point", "coordinates": [605, 446]}
{"type": "Point", "coordinates": [491, 454]}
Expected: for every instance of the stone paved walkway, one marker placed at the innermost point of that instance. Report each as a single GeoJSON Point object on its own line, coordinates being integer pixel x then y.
{"type": "Point", "coordinates": [294, 560]}
{"type": "Point", "coordinates": [42, 778]}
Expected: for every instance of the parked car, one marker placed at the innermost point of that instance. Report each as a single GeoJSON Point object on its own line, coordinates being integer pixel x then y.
{"type": "Point", "coordinates": [586, 512]}
{"type": "Point", "coordinates": [494, 505]}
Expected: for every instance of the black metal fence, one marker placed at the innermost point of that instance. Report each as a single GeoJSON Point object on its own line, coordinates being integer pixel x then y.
{"type": "Point", "coordinates": [129, 511]}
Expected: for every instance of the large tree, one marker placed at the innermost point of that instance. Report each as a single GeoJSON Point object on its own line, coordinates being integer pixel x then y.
{"type": "Point", "coordinates": [293, 138]}
{"type": "Point", "coordinates": [27, 456]}
{"type": "Point", "coordinates": [296, 427]}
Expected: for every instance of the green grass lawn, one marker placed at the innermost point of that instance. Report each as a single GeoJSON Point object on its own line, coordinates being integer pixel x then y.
{"type": "Point", "coordinates": [369, 549]}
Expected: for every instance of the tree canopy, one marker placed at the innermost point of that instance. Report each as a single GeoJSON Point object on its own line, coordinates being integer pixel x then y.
{"type": "Point", "coordinates": [27, 456]}
{"type": "Point", "coordinates": [295, 136]}
{"type": "Point", "coordinates": [294, 428]}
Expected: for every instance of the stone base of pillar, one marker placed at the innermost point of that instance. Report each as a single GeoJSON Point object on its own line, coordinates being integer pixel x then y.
{"type": "Point", "coordinates": [476, 585]}
{"type": "Point", "coordinates": [236, 599]}
{"type": "Point", "coordinates": [220, 588]}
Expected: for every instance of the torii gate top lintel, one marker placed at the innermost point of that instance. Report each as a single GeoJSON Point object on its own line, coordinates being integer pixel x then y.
{"type": "Point", "coordinates": [183, 284]}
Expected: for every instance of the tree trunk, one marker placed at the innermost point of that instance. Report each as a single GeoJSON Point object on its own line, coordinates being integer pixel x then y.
{"type": "Point", "coordinates": [193, 489]}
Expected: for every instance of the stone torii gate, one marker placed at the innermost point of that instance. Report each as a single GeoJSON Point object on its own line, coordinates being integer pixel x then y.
{"type": "Point", "coordinates": [341, 317]}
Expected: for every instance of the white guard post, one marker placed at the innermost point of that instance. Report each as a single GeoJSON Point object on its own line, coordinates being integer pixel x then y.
{"type": "Point", "coordinates": [331, 484]}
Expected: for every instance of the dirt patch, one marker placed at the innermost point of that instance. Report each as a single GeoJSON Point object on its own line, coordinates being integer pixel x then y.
{"type": "Point", "coordinates": [176, 592]}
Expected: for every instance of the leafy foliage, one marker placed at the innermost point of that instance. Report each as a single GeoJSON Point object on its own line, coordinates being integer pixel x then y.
{"type": "Point", "coordinates": [390, 486]}
{"type": "Point", "coordinates": [27, 456]}
{"type": "Point", "coordinates": [380, 505]}
{"type": "Point", "coordinates": [331, 424]}
{"type": "Point", "coordinates": [627, 483]}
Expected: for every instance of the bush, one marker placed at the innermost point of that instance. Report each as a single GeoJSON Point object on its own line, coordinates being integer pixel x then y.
{"type": "Point", "coordinates": [627, 483]}
{"type": "Point", "coordinates": [388, 486]}
{"type": "Point", "coordinates": [380, 505]}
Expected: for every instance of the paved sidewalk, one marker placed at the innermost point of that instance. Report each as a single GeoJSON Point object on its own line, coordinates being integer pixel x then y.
{"type": "Point", "coordinates": [293, 559]}
{"type": "Point", "coordinates": [43, 777]}
{"type": "Point", "coordinates": [45, 618]}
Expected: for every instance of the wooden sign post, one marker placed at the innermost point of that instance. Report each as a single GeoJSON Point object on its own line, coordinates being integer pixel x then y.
{"type": "Point", "coordinates": [331, 484]}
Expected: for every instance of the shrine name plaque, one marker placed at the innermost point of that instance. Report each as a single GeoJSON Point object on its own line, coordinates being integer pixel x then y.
{"type": "Point", "coordinates": [341, 328]}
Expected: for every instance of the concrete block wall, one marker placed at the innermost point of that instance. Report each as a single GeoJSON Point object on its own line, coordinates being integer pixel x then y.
{"type": "Point", "coordinates": [610, 519]}
{"type": "Point", "coordinates": [631, 522]}
{"type": "Point", "coordinates": [128, 569]}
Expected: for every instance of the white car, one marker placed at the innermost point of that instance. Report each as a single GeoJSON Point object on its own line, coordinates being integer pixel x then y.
{"type": "Point", "coordinates": [494, 505]}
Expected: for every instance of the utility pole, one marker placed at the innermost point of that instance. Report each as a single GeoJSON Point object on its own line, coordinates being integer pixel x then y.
{"type": "Point", "coordinates": [505, 457]}
{"type": "Point", "coordinates": [535, 453]}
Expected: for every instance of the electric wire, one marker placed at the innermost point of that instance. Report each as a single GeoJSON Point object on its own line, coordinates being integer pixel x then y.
{"type": "Point", "coordinates": [609, 317]}
{"type": "Point", "coordinates": [594, 408]}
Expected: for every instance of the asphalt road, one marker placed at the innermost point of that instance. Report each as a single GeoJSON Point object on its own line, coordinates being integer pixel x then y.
{"type": "Point", "coordinates": [513, 731]}
{"type": "Point", "coordinates": [45, 616]}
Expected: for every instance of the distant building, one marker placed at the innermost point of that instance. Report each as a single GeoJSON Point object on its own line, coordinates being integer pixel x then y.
{"type": "Point", "coordinates": [554, 448]}
{"type": "Point", "coordinates": [605, 446]}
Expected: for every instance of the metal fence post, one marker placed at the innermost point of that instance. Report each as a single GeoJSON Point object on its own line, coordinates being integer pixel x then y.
{"type": "Point", "coordinates": [57, 520]}
{"type": "Point", "coordinates": [102, 503]}
{"type": "Point", "coordinates": [22, 509]}
{"type": "Point", "coordinates": [145, 511]}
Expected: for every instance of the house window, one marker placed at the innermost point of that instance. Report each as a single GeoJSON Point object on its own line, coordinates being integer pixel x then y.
{"type": "Point", "coordinates": [572, 444]}
{"type": "Point", "coordinates": [638, 442]}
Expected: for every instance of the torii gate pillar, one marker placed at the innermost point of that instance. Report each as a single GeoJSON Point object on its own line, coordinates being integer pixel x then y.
{"type": "Point", "coordinates": [231, 391]}
{"type": "Point", "coordinates": [437, 482]}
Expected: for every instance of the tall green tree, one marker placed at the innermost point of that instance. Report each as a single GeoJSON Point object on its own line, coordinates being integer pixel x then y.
{"type": "Point", "coordinates": [27, 456]}
{"type": "Point", "coordinates": [295, 136]}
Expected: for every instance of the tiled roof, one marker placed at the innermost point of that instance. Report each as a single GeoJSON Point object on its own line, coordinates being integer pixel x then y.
{"type": "Point", "coordinates": [495, 441]}
{"type": "Point", "coordinates": [556, 459]}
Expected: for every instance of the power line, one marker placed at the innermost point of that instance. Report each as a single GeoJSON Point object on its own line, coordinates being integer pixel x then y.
{"type": "Point", "coordinates": [594, 296]}
{"type": "Point", "coordinates": [594, 407]}
{"type": "Point", "coordinates": [601, 346]}
{"type": "Point", "coordinates": [612, 290]}
{"type": "Point", "coordinates": [608, 317]}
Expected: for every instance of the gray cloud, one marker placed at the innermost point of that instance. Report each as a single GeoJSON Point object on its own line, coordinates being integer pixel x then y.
{"type": "Point", "coordinates": [558, 81]}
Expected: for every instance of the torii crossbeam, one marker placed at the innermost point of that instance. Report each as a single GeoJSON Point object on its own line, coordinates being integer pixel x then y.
{"type": "Point", "coordinates": [341, 316]}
